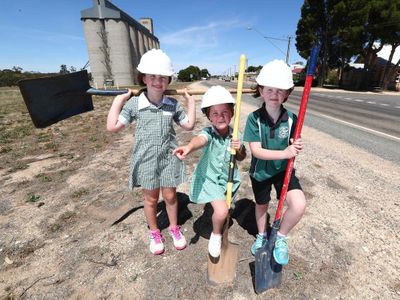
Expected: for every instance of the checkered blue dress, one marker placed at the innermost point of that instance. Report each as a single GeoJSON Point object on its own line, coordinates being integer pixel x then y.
{"type": "Point", "coordinates": [153, 165]}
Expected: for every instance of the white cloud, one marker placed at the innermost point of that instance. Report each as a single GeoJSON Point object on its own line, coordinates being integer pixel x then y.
{"type": "Point", "coordinates": [206, 36]}
{"type": "Point", "coordinates": [203, 46]}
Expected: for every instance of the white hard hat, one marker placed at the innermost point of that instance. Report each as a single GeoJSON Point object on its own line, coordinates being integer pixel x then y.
{"type": "Point", "coordinates": [216, 95]}
{"type": "Point", "coordinates": [155, 62]}
{"type": "Point", "coordinates": [276, 74]}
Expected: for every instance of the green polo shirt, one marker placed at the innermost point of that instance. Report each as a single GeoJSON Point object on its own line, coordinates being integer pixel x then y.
{"type": "Point", "coordinates": [273, 136]}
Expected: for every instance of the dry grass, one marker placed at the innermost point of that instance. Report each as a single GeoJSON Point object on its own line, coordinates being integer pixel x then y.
{"type": "Point", "coordinates": [73, 138]}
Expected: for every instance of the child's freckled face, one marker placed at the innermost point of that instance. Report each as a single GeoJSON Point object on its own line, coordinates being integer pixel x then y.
{"type": "Point", "coordinates": [156, 82]}
{"type": "Point", "coordinates": [220, 116]}
{"type": "Point", "coordinates": [273, 96]}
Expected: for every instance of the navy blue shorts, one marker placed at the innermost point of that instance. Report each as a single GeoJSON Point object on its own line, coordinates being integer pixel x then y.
{"type": "Point", "coordinates": [262, 190]}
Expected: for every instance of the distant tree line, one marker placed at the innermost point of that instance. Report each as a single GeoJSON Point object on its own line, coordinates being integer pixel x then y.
{"type": "Point", "coordinates": [349, 28]}
{"type": "Point", "coordinates": [10, 77]}
{"type": "Point", "coordinates": [252, 69]}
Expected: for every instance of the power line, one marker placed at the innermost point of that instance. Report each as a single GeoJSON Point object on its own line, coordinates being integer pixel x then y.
{"type": "Point", "coordinates": [268, 38]}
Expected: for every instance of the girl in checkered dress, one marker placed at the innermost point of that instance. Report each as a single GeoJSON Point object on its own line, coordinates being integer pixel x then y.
{"type": "Point", "coordinates": [154, 168]}
{"type": "Point", "coordinates": [211, 175]}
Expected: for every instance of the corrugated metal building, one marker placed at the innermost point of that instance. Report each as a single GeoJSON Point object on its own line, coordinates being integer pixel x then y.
{"type": "Point", "coordinates": [115, 43]}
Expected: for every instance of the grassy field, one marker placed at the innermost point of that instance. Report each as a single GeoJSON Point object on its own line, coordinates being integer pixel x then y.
{"type": "Point", "coordinates": [80, 134]}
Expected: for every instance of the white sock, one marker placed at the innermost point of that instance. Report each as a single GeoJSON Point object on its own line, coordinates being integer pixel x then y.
{"type": "Point", "coordinates": [280, 234]}
{"type": "Point", "coordinates": [264, 234]}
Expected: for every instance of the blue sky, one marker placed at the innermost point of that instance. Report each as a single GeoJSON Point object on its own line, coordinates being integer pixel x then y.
{"type": "Point", "coordinates": [41, 35]}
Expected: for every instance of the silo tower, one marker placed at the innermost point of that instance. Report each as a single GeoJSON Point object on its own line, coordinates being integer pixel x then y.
{"type": "Point", "coordinates": [115, 43]}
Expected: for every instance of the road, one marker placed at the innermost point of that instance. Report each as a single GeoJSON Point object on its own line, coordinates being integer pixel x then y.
{"type": "Point", "coordinates": [374, 112]}
{"type": "Point", "coordinates": [367, 120]}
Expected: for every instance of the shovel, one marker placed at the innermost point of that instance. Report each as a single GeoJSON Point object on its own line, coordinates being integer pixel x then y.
{"type": "Point", "coordinates": [223, 269]}
{"type": "Point", "coordinates": [268, 272]}
{"type": "Point", "coordinates": [52, 99]}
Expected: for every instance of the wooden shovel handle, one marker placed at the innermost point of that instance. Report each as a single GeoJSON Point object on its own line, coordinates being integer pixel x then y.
{"type": "Point", "coordinates": [135, 92]}
{"type": "Point", "coordinates": [196, 91]}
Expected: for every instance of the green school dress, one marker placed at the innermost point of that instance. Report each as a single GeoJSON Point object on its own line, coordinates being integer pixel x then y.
{"type": "Point", "coordinates": [211, 174]}
{"type": "Point", "coordinates": [153, 165]}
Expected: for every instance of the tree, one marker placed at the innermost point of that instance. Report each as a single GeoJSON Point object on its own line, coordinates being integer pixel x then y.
{"type": "Point", "coordinates": [191, 73]}
{"type": "Point", "coordinates": [17, 69]}
{"type": "Point", "coordinates": [371, 24]}
{"type": "Point", "coordinates": [389, 75]}
{"type": "Point", "coordinates": [361, 33]}
{"type": "Point", "coordinates": [204, 73]}
{"type": "Point", "coordinates": [348, 28]}
{"type": "Point", "coordinates": [391, 37]}
{"type": "Point", "coordinates": [253, 69]}
{"type": "Point", "coordinates": [63, 69]}
{"type": "Point", "coordinates": [11, 77]}
{"type": "Point", "coordinates": [313, 27]}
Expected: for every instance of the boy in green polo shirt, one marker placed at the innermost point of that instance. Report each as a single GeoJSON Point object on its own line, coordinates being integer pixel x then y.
{"type": "Point", "coordinates": [269, 131]}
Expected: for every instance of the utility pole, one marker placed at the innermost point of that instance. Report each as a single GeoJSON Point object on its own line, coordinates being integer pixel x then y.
{"type": "Point", "coordinates": [288, 50]}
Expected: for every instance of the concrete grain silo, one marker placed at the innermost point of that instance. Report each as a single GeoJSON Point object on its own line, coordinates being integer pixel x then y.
{"type": "Point", "coordinates": [115, 43]}
{"type": "Point", "coordinates": [120, 52]}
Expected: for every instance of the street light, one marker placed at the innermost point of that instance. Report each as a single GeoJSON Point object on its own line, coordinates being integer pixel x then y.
{"type": "Point", "coordinates": [268, 38]}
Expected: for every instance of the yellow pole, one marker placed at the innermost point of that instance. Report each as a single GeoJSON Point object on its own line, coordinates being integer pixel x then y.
{"type": "Point", "coordinates": [236, 120]}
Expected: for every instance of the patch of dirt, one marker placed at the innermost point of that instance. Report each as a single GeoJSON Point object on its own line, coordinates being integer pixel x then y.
{"type": "Point", "coordinates": [71, 229]}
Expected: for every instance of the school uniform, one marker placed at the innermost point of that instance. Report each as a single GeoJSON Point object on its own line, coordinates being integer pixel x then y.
{"type": "Point", "coordinates": [272, 136]}
{"type": "Point", "coordinates": [211, 174]}
{"type": "Point", "coordinates": [153, 165]}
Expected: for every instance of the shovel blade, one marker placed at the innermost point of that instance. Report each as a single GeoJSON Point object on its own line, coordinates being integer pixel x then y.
{"type": "Point", "coordinates": [268, 273]}
{"type": "Point", "coordinates": [223, 270]}
{"type": "Point", "coordinates": [52, 99]}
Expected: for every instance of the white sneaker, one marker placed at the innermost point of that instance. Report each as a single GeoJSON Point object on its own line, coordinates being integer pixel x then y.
{"type": "Point", "coordinates": [156, 242]}
{"type": "Point", "coordinates": [214, 245]}
{"type": "Point", "coordinates": [178, 238]}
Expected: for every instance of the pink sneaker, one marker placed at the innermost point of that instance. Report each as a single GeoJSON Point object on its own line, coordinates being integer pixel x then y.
{"type": "Point", "coordinates": [156, 242]}
{"type": "Point", "coordinates": [177, 236]}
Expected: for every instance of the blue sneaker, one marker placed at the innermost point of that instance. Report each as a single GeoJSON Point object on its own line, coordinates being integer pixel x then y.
{"type": "Point", "coordinates": [281, 254]}
{"type": "Point", "coordinates": [260, 241]}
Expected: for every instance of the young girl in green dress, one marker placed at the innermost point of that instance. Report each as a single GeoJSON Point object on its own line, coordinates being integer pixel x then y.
{"type": "Point", "coordinates": [154, 168]}
{"type": "Point", "coordinates": [211, 175]}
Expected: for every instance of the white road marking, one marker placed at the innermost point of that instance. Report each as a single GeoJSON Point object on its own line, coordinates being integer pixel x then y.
{"type": "Point", "coordinates": [356, 100]}
{"type": "Point", "coordinates": [376, 132]}
{"type": "Point", "coordinates": [358, 126]}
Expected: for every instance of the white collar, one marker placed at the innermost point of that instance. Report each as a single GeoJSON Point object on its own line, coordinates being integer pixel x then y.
{"type": "Point", "coordinates": [143, 102]}
{"type": "Point", "coordinates": [216, 132]}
